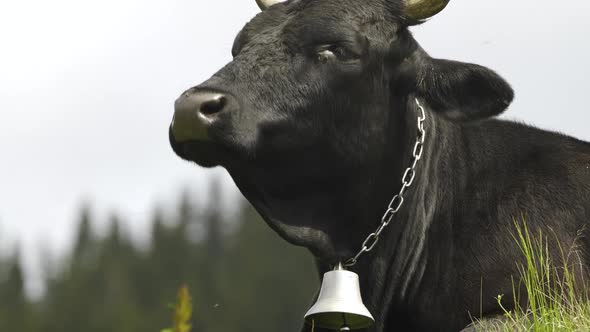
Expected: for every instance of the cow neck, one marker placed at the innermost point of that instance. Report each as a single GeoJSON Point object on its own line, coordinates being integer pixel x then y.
{"type": "Point", "coordinates": [397, 201]}
{"type": "Point", "coordinates": [393, 271]}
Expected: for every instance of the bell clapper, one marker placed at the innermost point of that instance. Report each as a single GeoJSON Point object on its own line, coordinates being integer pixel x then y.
{"type": "Point", "coordinates": [344, 327]}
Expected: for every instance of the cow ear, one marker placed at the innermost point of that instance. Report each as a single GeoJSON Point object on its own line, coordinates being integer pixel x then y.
{"type": "Point", "coordinates": [462, 91]}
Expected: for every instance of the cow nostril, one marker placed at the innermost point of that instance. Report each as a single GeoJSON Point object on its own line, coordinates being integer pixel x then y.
{"type": "Point", "coordinates": [213, 106]}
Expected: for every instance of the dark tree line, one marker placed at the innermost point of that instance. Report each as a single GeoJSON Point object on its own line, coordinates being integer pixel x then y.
{"type": "Point", "coordinates": [241, 275]}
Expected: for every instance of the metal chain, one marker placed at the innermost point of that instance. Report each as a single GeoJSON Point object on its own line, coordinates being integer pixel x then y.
{"type": "Point", "coordinates": [398, 200]}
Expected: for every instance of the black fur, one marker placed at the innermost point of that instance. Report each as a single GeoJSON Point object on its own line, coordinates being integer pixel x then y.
{"type": "Point", "coordinates": [319, 146]}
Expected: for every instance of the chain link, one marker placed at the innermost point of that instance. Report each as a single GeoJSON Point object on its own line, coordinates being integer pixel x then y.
{"type": "Point", "coordinates": [398, 200]}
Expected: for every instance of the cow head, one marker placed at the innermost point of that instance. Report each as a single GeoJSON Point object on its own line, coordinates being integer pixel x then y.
{"type": "Point", "coordinates": [310, 117]}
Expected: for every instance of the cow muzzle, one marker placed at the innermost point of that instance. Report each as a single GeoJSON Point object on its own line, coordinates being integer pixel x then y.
{"type": "Point", "coordinates": [196, 110]}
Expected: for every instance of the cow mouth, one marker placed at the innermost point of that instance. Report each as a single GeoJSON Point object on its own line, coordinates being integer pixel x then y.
{"type": "Point", "coordinates": [204, 153]}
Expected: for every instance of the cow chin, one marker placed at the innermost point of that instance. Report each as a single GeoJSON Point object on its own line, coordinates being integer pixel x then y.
{"type": "Point", "coordinates": [203, 153]}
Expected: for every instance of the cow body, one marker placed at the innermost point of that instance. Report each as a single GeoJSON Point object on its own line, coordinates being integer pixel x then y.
{"type": "Point", "coordinates": [450, 249]}
{"type": "Point", "coordinates": [315, 120]}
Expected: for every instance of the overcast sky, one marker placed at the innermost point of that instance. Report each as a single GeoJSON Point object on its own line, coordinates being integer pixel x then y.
{"type": "Point", "coordinates": [87, 88]}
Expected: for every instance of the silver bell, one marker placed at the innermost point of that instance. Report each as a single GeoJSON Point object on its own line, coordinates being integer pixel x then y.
{"type": "Point", "coordinates": [339, 305]}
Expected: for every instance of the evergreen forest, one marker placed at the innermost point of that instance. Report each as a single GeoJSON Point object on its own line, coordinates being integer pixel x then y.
{"type": "Point", "coordinates": [241, 276]}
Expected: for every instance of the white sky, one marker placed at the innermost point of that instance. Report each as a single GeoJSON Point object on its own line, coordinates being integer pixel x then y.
{"type": "Point", "coordinates": [87, 88]}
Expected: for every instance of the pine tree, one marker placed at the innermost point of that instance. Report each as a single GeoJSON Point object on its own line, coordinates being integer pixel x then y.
{"type": "Point", "coordinates": [85, 246]}
{"type": "Point", "coordinates": [213, 219]}
{"type": "Point", "coordinates": [14, 306]}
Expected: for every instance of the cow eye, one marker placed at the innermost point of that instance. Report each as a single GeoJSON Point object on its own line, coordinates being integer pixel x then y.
{"type": "Point", "coordinates": [333, 53]}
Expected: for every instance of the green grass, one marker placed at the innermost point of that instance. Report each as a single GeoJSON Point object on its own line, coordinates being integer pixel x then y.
{"type": "Point", "coordinates": [556, 300]}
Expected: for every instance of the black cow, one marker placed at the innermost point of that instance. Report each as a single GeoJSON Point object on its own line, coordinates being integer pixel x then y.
{"type": "Point", "coordinates": [315, 120]}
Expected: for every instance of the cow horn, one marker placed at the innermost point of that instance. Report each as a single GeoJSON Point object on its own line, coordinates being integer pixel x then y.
{"type": "Point", "coordinates": [265, 4]}
{"type": "Point", "coordinates": [423, 9]}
